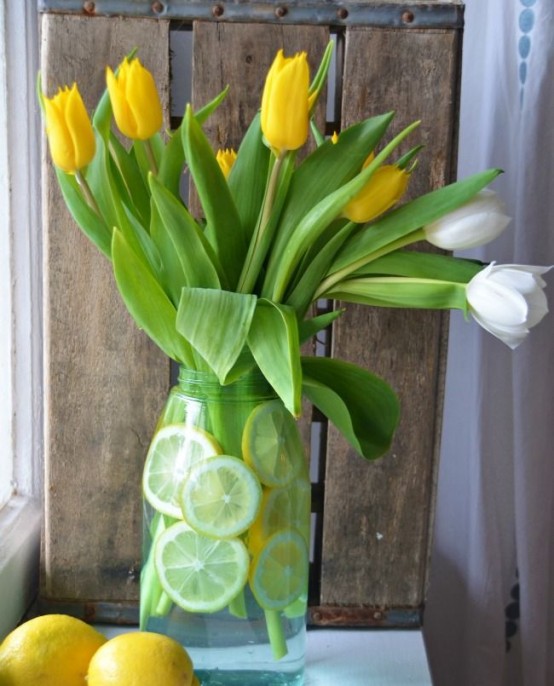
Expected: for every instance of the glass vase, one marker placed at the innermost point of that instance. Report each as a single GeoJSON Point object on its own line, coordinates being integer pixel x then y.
{"type": "Point", "coordinates": [226, 531]}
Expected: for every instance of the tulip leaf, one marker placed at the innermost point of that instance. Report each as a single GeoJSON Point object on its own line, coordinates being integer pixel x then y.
{"type": "Point", "coordinates": [362, 406]}
{"type": "Point", "coordinates": [99, 176]}
{"type": "Point", "coordinates": [186, 238]}
{"type": "Point", "coordinates": [310, 327]}
{"type": "Point", "coordinates": [324, 171]}
{"type": "Point", "coordinates": [250, 171]}
{"type": "Point", "coordinates": [172, 162]}
{"type": "Point", "coordinates": [318, 218]}
{"type": "Point", "coordinates": [410, 217]}
{"type": "Point", "coordinates": [396, 291]}
{"type": "Point", "coordinates": [92, 225]}
{"type": "Point", "coordinates": [216, 323]}
{"type": "Point", "coordinates": [422, 265]}
{"type": "Point", "coordinates": [133, 191]}
{"type": "Point", "coordinates": [223, 226]}
{"type": "Point", "coordinates": [147, 302]}
{"type": "Point", "coordinates": [171, 275]}
{"type": "Point", "coordinates": [316, 263]}
{"type": "Point", "coordinates": [273, 340]}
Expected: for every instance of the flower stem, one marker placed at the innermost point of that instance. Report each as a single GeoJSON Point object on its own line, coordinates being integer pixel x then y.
{"type": "Point", "coordinates": [276, 634]}
{"type": "Point", "coordinates": [258, 248]}
{"type": "Point", "coordinates": [89, 197]}
{"type": "Point", "coordinates": [149, 150]}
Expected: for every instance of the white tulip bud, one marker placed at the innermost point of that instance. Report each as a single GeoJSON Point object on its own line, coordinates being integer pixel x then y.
{"type": "Point", "coordinates": [477, 222]}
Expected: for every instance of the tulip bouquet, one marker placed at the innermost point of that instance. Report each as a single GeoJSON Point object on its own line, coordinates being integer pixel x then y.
{"type": "Point", "coordinates": [231, 290]}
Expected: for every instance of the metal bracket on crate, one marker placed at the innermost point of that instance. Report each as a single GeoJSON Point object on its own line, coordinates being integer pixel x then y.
{"type": "Point", "coordinates": [416, 15]}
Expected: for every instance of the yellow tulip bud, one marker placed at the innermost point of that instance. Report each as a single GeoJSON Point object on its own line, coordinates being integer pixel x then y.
{"type": "Point", "coordinates": [135, 101]}
{"type": "Point", "coordinates": [226, 158]}
{"type": "Point", "coordinates": [335, 138]}
{"type": "Point", "coordinates": [69, 130]}
{"type": "Point", "coordinates": [384, 189]}
{"type": "Point", "coordinates": [285, 102]}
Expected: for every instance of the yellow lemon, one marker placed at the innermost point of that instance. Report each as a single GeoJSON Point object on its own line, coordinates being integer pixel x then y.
{"type": "Point", "coordinates": [48, 651]}
{"type": "Point", "coordinates": [141, 658]}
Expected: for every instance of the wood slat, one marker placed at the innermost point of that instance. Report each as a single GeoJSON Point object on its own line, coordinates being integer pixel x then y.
{"type": "Point", "coordinates": [377, 516]}
{"type": "Point", "coordinates": [105, 382]}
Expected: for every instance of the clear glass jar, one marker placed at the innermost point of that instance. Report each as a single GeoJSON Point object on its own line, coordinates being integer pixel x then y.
{"type": "Point", "coordinates": [226, 531]}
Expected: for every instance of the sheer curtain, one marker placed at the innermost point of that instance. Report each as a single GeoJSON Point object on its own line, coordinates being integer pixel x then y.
{"type": "Point", "coordinates": [490, 611]}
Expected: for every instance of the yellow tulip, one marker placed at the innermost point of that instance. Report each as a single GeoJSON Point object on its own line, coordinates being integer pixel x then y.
{"type": "Point", "coordinates": [285, 102]}
{"type": "Point", "coordinates": [384, 189]}
{"type": "Point", "coordinates": [135, 101]}
{"type": "Point", "coordinates": [69, 130]}
{"type": "Point", "coordinates": [226, 158]}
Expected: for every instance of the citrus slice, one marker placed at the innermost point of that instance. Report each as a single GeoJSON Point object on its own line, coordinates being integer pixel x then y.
{"type": "Point", "coordinates": [220, 497]}
{"type": "Point", "coordinates": [279, 572]}
{"type": "Point", "coordinates": [198, 573]}
{"type": "Point", "coordinates": [288, 507]}
{"type": "Point", "coordinates": [271, 444]}
{"type": "Point", "coordinates": [173, 451]}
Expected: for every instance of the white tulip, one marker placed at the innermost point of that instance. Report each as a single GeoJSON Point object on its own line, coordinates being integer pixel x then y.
{"type": "Point", "coordinates": [507, 300]}
{"type": "Point", "coordinates": [477, 222]}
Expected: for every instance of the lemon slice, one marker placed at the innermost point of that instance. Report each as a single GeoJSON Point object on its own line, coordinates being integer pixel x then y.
{"type": "Point", "coordinates": [288, 507]}
{"type": "Point", "coordinates": [198, 573]}
{"type": "Point", "coordinates": [279, 572]}
{"type": "Point", "coordinates": [271, 444]}
{"type": "Point", "coordinates": [173, 451]}
{"type": "Point", "coordinates": [220, 497]}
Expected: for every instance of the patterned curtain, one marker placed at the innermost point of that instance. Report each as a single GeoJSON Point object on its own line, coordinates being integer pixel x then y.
{"type": "Point", "coordinates": [490, 612]}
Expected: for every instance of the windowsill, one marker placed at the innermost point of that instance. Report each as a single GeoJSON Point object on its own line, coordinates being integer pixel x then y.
{"type": "Point", "coordinates": [19, 559]}
{"type": "Point", "coordinates": [357, 657]}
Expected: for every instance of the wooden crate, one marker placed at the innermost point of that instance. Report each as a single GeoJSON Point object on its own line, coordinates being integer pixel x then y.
{"type": "Point", "coordinates": [105, 382]}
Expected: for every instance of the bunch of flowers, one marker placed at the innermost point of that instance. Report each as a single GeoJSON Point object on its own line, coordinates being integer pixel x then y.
{"type": "Point", "coordinates": [231, 290]}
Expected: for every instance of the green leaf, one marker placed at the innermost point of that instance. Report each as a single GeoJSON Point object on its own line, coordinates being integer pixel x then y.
{"type": "Point", "coordinates": [273, 340]}
{"type": "Point", "coordinates": [133, 191]}
{"type": "Point", "coordinates": [93, 226]}
{"type": "Point", "coordinates": [197, 258]}
{"type": "Point", "coordinates": [410, 217]}
{"type": "Point", "coordinates": [395, 291]}
{"type": "Point", "coordinates": [223, 226]}
{"type": "Point", "coordinates": [146, 301]}
{"type": "Point", "coordinates": [216, 323]}
{"type": "Point", "coordinates": [422, 265]}
{"type": "Point", "coordinates": [361, 405]}
{"type": "Point", "coordinates": [250, 172]}
{"type": "Point", "coordinates": [310, 327]}
{"type": "Point", "coordinates": [172, 162]}
{"type": "Point", "coordinates": [320, 174]}
{"type": "Point", "coordinates": [316, 263]}
{"type": "Point", "coordinates": [314, 223]}
{"type": "Point", "coordinates": [171, 274]}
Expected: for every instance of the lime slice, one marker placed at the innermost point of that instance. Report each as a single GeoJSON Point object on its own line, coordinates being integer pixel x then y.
{"type": "Point", "coordinates": [271, 444]}
{"type": "Point", "coordinates": [173, 451]}
{"type": "Point", "coordinates": [282, 508]}
{"type": "Point", "coordinates": [279, 572]}
{"type": "Point", "coordinates": [220, 497]}
{"type": "Point", "coordinates": [200, 574]}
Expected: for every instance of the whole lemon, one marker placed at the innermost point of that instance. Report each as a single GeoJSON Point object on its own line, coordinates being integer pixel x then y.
{"type": "Point", "coordinates": [141, 658]}
{"type": "Point", "coordinates": [48, 651]}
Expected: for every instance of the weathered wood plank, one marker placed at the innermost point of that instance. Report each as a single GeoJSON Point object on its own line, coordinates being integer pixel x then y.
{"type": "Point", "coordinates": [105, 382]}
{"type": "Point", "coordinates": [377, 516]}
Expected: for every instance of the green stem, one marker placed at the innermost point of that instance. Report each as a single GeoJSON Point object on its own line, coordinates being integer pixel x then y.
{"type": "Point", "coordinates": [151, 592]}
{"type": "Point", "coordinates": [89, 197]}
{"type": "Point", "coordinates": [333, 279]}
{"type": "Point", "coordinates": [149, 150]}
{"type": "Point", "coordinates": [255, 255]}
{"type": "Point", "coordinates": [276, 634]}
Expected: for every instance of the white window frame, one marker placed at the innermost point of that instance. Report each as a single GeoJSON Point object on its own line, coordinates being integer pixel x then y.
{"type": "Point", "coordinates": [20, 311]}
